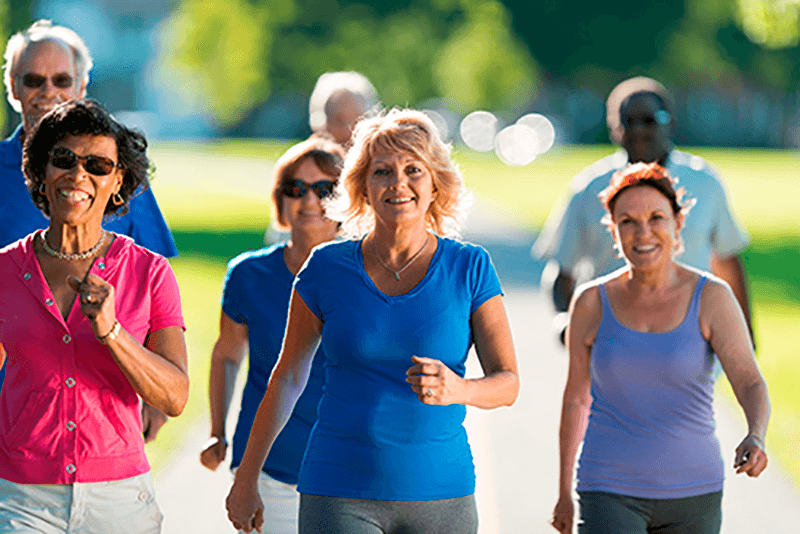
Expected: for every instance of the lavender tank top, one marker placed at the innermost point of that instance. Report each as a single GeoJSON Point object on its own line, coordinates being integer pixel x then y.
{"type": "Point", "coordinates": [651, 425]}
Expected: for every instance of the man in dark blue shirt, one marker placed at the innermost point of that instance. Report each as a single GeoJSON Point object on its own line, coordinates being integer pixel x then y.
{"type": "Point", "coordinates": [46, 65]}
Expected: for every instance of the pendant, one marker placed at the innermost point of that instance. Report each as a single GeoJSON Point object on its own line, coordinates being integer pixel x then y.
{"type": "Point", "coordinates": [397, 276]}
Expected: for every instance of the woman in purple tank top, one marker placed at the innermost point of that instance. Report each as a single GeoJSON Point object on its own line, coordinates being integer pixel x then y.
{"type": "Point", "coordinates": [642, 344]}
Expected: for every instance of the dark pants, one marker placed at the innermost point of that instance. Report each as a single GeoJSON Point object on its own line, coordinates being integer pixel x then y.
{"type": "Point", "coordinates": [610, 513]}
{"type": "Point", "coordinates": [337, 515]}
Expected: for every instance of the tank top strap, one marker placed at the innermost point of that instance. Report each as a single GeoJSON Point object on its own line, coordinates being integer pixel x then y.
{"type": "Point", "coordinates": [694, 306]}
{"type": "Point", "coordinates": [606, 305]}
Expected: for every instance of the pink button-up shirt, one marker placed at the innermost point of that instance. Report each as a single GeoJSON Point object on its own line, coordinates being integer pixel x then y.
{"type": "Point", "coordinates": [67, 412]}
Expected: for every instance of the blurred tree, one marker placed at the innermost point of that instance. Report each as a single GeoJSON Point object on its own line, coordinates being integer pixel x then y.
{"type": "Point", "coordinates": [773, 24]}
{"type": "Point", "coordinates": [215, 54]}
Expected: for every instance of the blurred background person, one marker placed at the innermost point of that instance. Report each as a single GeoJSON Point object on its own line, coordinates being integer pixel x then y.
{"type": "Point", "coordinates": [46, 65]}
{"type": "Point", "coordinates": [640, 386]}
{"type": "Point", "coordinates": [255, 303]}
{"type": "Point", "coordinates": [397, 310]}
{"type": "Point", "coordinates": [338, 101]}
{"type": "Point", "coordinates": [91, 325]}
{"type": "Point", "coordinates": [640, 118]}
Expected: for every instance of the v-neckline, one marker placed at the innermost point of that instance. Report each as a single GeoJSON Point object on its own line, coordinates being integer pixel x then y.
{"type": "Point", "coordinates": [415, 289]}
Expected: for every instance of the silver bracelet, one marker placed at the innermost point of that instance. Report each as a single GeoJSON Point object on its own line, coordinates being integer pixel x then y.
{"type": "Point", "coordinates": [111, 336]}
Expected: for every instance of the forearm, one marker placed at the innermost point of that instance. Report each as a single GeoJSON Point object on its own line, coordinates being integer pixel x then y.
{"type": "Point", "coordinates": [159, 382]}
{"type": "Point", "coordinates": [574, 419]}
{"type": "Point", "coordinates": [219, 397]}
{"type": "Point", "coordinates": [272, 415]}
{"type": "Point", "coordinates": [492, 391]}
{"type": "Point", "coordinates": [754, 401]}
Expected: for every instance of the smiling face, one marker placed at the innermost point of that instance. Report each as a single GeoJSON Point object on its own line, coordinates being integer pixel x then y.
{"type": "Point", "coordinates": [399, 188]}
{"type": "Point", "coordinates": [644, 136]}
{"type": "Point", "coordinates": [76, 196]}
{"type": "Point", "coordinates": [645, 227]}
{"type": "Point", "coordinates": [50, 65]}
{"type": "Point", "coordinates": [306, 213]}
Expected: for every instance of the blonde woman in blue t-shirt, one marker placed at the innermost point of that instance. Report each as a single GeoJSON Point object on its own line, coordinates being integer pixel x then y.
{"type": "Point", "coordinates": [642, 344]}
{"type": "Point", "coordinates": [397, 310]}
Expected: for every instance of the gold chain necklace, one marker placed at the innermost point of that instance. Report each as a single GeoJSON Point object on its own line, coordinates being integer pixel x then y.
{"type": "Point", "coordinates": [409, 262]}
{"type": "Point", "coordinates": [73, 257]}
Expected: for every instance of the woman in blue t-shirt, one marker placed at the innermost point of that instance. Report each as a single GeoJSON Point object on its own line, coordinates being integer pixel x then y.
{"type": "Point", "coordinates": [397, 309]}
{"type": "Point", "coordinates": [255, 301]}
{"type": "Point", "coordinates": [640, 388]}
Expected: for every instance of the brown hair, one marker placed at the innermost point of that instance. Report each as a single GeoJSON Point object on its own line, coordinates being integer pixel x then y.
{"type": "Point", "coordinates": [403, 131]}
{"type": "Point", "coordinates": [328, 157]}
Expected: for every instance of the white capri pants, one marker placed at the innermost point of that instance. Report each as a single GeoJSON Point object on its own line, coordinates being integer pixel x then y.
{"type": "Point", "coordinates": [120, 506]}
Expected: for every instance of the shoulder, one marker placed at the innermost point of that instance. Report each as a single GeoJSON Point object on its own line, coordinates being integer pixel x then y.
{"type": "Point", "coordinates": [11, 149]}
{"type": "Point", "coordinates": [334, 251]}
{"type": "Point", "coordinates": [254, 258]}
{"type": "Point", "coordinates": [683, 165]}
{"type": "Point", "coordinates": [125, 250]}
{"type": "Point", "coordinates": [598, 173]}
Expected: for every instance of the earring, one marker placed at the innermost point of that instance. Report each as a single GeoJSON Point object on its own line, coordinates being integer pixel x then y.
{"type": "Point", "coordinates": [117, 199]}
{"type": "Point", "coordinates": [41, 188]}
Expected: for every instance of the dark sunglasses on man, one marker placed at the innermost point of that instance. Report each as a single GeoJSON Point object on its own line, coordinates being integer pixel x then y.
{"type": "Point", "coordinates": [34, 81]}
{"type": "Point", "coordinates": [298, 188]}
{"type": "Point", "coordinates": [64, 158]}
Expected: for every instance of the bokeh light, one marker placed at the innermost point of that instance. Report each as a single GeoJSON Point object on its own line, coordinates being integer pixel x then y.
{"type": "Point", "coordinates": [541, 125]}
{"type": "Point", "coordinates": [516, 145]}
{"type": "Point", "coordinates": [478, 130]}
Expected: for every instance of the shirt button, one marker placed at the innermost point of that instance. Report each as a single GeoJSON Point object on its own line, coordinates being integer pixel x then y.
{"type": "Point", "coordinates": [66, 338]}
{"type": "Point", "coordinates": [26, 276]}
{"type": "Point", "coordinates": [70, 382]}
{"type": "Point", "coordinates": [101, 265]}
{"type": "Point", "coordinates": [71, 425]}
{"type": "Point", "coordinates": [71, 468]}
{"type": "Point", "coordinates": [49, 302]}
{"type": "Point", "coordinates": [143, 496]}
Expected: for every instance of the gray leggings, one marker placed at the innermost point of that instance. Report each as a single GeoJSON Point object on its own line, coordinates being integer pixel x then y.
{"type": "Point", "coordinates": [338, 515]}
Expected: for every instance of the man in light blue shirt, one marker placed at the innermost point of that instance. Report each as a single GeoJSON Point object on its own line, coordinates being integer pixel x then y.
{"type": "Point", "coordinates": [641, 120]}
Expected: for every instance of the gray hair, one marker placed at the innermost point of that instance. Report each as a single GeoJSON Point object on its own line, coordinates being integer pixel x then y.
{"type": "Point", "coordinates": [628, 88]}
{"type": "Point", "coordinates": [43, 30]}
{"type": "Point", "coordinates": [333, 86]}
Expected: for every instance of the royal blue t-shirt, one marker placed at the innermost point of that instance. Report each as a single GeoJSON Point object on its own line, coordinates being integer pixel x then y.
{"type": "Point", "coordinates": [374, 438]}
{"type": "Point", "coordinates": [257, 289]}
{"type": "Point", "coordinates": [19, 216]}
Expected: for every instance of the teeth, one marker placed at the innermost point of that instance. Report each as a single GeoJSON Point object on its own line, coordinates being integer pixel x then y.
{"type": "Point", "coordinates": [399, 200]}
{"type": "Point", "coordinates": [644, 249]}
{"type": "Point", "coordinates": [75, 196]}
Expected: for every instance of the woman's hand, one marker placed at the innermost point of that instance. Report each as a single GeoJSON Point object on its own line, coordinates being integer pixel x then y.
{"type": "Point", "coordinates": [213, 452]}
{"type": "Point", "coordinates": [750, 456]}
{"type": "Point", "coordinates": [434, 382]}
{"type": "Point", "coordinates": [563, 515]}
{"type": "Point", "coordinates": [97, 302]}
{"type": "Point", "coordinates": [245, 509]}
{"type": "Point", "coordinates": [152, 421]}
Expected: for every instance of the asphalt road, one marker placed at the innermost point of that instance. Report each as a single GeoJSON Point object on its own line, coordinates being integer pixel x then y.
{"type": "Point", "coordinates": [515, 449]}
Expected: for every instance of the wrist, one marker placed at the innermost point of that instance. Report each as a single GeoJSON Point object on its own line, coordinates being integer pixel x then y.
{"type": "Point", "coordinates": [111, 334]}
{"type": "Point", "coordinates": [756, 437]}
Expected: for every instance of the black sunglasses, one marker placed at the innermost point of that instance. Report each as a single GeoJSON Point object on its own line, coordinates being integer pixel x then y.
{"type": "Point", "coordinates": [64, 158]}
{"type": "Point", "coordinates": [298, 189]}
{"type": "Point", "coordinates": [34, 81]}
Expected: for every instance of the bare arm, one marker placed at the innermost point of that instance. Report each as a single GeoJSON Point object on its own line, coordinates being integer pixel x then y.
{"type": "Point", "coordinates": [226, 358]}
{"type": "Point", "coordinates": [287, 382]}
{"type": "Point", "coordinates": [585, 314]}
{"type": "Point", "coordinates": [435, 383]}
{"type": "Point", "coordinates": [732, 270]}
{"type": "Point", "coordinates": [722, 323]}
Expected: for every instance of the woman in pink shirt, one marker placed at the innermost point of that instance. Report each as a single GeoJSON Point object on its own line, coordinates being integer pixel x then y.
{"type": "Point", "coordinates": [90, 325]}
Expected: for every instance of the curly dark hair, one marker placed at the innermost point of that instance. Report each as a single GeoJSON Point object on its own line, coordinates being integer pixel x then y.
{"type": "Point", "coordinates": [85, 117]}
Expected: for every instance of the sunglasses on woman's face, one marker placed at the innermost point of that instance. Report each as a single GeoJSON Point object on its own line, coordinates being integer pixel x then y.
{"type": "Point", "coordinates": [64, 158]}
{"type": "Point", "coordinates": [298, 189]}
{"type": "Point", "coordinates": [34, 81]}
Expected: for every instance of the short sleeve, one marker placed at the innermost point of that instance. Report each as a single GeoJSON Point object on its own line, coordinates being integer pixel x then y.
{"type": "Point", "coordinates": [483, 279]}
{"type": "Point", "coordinates": [147, 226]}
{"type": "Point", "coordinates": [729, 236]}
{"type": "Point", "coordinates": [233, 292]}
{"type": "Point", "coordinates": [165, 298]}
{"type": "Point", "coordinates": [308, 282]}
{"type": "Point", "coordinates": [561, 239]}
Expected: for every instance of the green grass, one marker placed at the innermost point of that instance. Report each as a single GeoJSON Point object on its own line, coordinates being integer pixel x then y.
{"type": "Point", "coordinates": [216, 197]}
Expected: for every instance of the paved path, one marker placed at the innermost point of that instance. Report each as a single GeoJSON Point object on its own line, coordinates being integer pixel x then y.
{"type": "Point", "coordinates": [515, 449]}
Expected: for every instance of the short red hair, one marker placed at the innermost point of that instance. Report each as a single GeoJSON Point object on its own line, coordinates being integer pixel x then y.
{"type": "Point", "coordinates": [645, 174]}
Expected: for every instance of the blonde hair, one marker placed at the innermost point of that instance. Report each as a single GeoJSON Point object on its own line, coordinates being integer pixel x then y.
{"type": "Point", "coordinates": [400, 131]}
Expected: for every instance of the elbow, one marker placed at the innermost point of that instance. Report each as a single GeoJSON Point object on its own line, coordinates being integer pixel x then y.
{"type": "Point", "coordinates": [512, 390]}
{"type": "Point", "coordinates": [177, 398]}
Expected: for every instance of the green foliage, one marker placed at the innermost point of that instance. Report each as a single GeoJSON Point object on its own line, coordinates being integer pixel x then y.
{"type": "Point", "coordinates": [773, 24]}
{"type": "Point", "coordinates": [214, 54]}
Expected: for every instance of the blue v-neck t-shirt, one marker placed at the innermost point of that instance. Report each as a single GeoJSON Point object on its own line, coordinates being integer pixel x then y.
{"type": "Point", "coordinates": [374, 439]}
